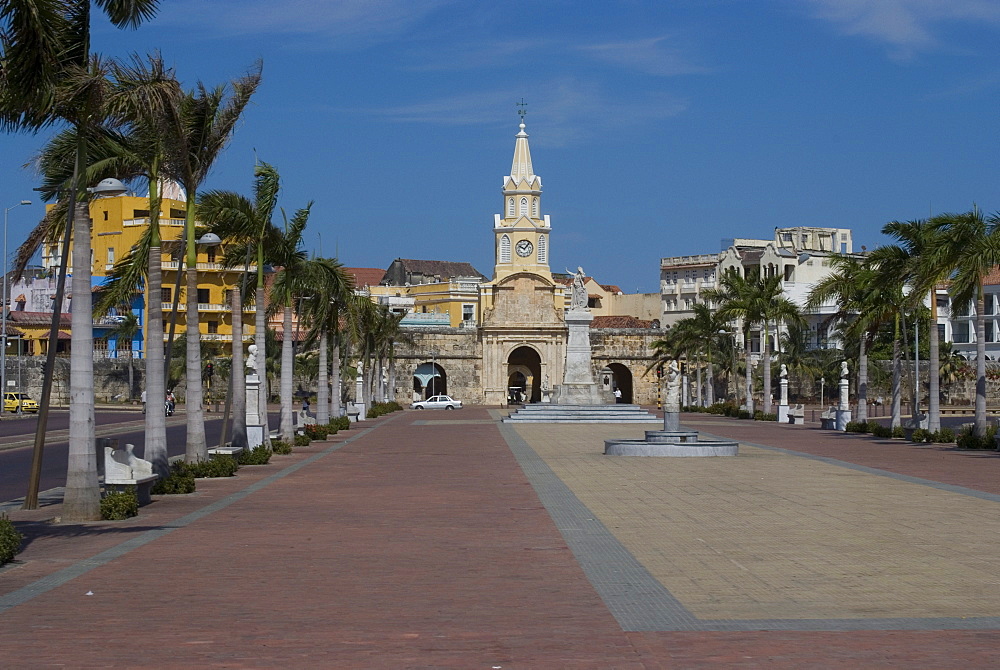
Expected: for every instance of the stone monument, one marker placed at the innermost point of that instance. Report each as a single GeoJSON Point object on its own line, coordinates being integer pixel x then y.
{"type": "Point", "coordinates": [844, 408]}
{"type": "Point", "coordinates": [255, 424]}
{"type": "Point", "coordinates": [578, 387]}
{"type": "Point", "coordinates": [783, 403]}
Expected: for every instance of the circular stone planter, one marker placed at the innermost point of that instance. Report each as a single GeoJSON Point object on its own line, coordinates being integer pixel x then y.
{"type": "Point", "coordinates": [677, 449]}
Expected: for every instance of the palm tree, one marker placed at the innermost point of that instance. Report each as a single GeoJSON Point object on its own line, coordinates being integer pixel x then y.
{"type": "Point", "coordinates": [797, 356]}
{"type": "Point", "coordinates": [757, 301]}
{"type": "Point", "coordinates": [46, 56]}
{"type": "Point", "coordinates": [968, 247]}
{"type": "Point", "coordinates": [322, 316]}
{"type": "Point", "coordinates": [849, 286]}
{"type": "Point", "coordinates": [917, 239]}
{"type": "Point", "coordinates": [291, 282]}
{"type": "Point", "coordinates": [204, 125]}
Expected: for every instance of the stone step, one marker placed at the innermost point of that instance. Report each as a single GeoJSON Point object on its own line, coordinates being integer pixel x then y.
{"type": "Point", "coordinates": [547, 413]}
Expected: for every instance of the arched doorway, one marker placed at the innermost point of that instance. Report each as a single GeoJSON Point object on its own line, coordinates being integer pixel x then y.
{"type": "Point", "coordinates": [525, 362]}
{"type": "Point", "coordinates": [622, 381]}
{"type": "Point", "coordinates": [429, 379]}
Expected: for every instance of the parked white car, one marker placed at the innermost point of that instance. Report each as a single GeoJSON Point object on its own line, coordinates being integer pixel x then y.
{"type": "Point", "coordinates": [437, 402]}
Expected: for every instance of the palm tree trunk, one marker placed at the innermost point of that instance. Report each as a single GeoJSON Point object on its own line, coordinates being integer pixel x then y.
{"type": "Point", "coordinates": [698, 398]}
{"type": "Point", "coordinates": [934, 372]}
{"type": "Point", "coordinates": [912, 379]}
{"type": "Point", "coordinates": [197, 445]}
{"type": "Point", "coordinates": [335, 407]}
{"type": "Point", "coordinates": [323, 392]}
{"type": "Point", "coordinates": [749, 376]}
{"type": "Point", "coordinates": [82, 500]}
{"type": "Point", "coordinates": [156, 384]}
{"type": "Point", "coordinates": [766, 365]}
{"type": "Point", "coordinates": [260, 339]}
{"type": "Point", "coordinates": [287, 370]}
{"type": "Point", "coordinates": [862, 381]}
{"type": "Point", "coordinates": [897, 379]}
{"type": "Point", "coordinates": [980, 419]}
{"type": "Point", "coordinates": [237, 372]}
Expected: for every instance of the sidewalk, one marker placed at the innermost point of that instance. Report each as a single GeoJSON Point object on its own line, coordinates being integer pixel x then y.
{"type": "Point", "coordinates": [443, 539]}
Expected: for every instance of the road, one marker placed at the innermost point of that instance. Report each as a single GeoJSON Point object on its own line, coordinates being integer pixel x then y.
{"type": "Point", "coordinates": [17, 436]}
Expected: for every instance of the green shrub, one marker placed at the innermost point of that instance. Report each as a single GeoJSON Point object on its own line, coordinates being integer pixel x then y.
{"type": "Point", "coordinates": [945, 435]}
{"type": "Point", "coordinates": [920, 435]}
{"type": "Point", "coordinates": [10, 540]}
{"type": "Point", "coordinates": [315, 432]}
{"type": "Point", "coordinates": [872, 426]}
{"type": "Point", "coordinates": [180, 480]}
{"type": "Point", "coordinates": [743, 414]}
{"type": "Point", "coordinates": [302, 440]}
{"type": "Point", "coordinates": [259, 455]}
{"type": "Point", "coordinates": [280, 447]}
{"type": "Point", "coordinates": [119, 505]}
{"type": "Point", "coordinates": [220, 465]}
{"type": "Point", "coordinates": [967, 438]}
{"type": "Point", "coordinates": [856, 427]}
{"type": "Point", "coordinates": [379, 408]}
{"type": "Point", "coordinates": [717, 408]}
{"type": "Point", "coordinates": [898, 432]}
{"type": "Point", "coordinates": [341, 423]}
{"type": "Point", "coordinates": [878, 430]}
{"type": "Point", "coordinates": [762, 416]}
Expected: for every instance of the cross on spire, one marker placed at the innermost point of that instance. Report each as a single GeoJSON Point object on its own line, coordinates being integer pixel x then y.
{"type": "Point", "coordinates": [522, 111]}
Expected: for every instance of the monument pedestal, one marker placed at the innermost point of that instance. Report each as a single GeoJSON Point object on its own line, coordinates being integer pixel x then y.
{"type": "Point", "coordinates": [782, 413]}
{"type": "Point", "coordinates": [255, 427]}
{"type": "Point", "coordinates": [578, 387]}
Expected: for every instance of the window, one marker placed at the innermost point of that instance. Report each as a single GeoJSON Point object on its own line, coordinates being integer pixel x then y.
{"type": "Point", "coordinates": [204, 296]}
{"type": "Point", "coordinates": [504, 252]}
{"type": "Point", "coordinates": [213, 327]}
{"type": "Point", "coordinates": [105, 215]}
{"type": "Point", "coordinates": [543, 249]}
{"type": "Point", "coordinates": [524, 207]}
{"type": "Point", "coordinates": [140, 213]}
{"type": "Point", "coordinates": [211, 254]}
{"type": "Point", "coordinates": [510, 207]}
{"type": "Point", "coordinates": [805, 240]}
{"type": "Point", "coordinates": [165, 294]}
{"type": "Point", "coordinates": [468, 312]}
{"type": "Point", "coordinates": [111, 255]}
{"type": "Point", "coordinates": [534, 207]}
{"type": "Point", "coordinates": [786, 237]}
{"type": "Point", "coordinates": [177, 213]}
{"type": "Point", "coordinates": [960, 332]}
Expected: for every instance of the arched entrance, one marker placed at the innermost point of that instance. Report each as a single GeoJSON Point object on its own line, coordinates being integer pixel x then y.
{"type": "Point", "coordinates": [622, 377]}
{"type": "Point", "coordinates": [429, 379]}
{"type": "Point", "coordinates": [524, 371]}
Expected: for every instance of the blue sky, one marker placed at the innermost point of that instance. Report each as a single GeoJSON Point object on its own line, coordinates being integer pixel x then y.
{"type": "Point", "coordinates": [658, 128]}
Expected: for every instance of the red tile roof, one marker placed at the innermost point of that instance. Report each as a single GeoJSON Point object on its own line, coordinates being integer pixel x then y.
{"type": "Point", "coordinates": [37, 318]}
{"type": "Point", "coordinates": [363, 277]}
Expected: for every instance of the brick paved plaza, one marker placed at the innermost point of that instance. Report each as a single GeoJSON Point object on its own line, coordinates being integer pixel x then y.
{"type": "Point", "coordinates": [446, 539]}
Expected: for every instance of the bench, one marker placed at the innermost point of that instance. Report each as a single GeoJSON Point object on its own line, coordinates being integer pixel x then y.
{"type": "Point", "coordinates": [226, 451]}
{"type": "Point", "coordinates": [122, 468]}
{"type": "Point", "coordinates": [828, 419]}
{"type": "Point", "coordinates": [354, 411]}
{"type": "Point", "coordinates": [797, 415]}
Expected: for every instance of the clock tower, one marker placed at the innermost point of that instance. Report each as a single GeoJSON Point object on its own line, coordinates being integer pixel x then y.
{"type": "Point", "coordinates": [521, 233]}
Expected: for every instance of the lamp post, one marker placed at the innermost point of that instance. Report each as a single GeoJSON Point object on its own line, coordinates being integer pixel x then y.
{"type": "Point", "coordinates": [3, 306]}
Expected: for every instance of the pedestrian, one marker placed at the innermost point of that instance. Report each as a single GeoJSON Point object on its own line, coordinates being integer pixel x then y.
{"type": "Point", "coordinates": [618, 395]}
{"type": "Point", "coordinates": [305, 405]}
{"type": "Point", "coordinates": [143, 396]}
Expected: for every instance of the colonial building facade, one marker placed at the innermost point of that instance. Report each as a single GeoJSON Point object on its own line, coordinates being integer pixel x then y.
{"type": "Point", "coordinates": [516, 346]}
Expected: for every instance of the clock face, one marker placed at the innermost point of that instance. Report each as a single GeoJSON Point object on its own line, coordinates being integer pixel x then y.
{"type": "Point", "coordinates": [524, 248]}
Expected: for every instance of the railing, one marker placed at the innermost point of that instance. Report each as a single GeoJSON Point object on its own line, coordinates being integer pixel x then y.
{"type": "Point", "coordinates": [421, 319]}
{"type": "Point", "coordinates": [145, 222]}
{"type": "Point", "coordinates": [206, 307]}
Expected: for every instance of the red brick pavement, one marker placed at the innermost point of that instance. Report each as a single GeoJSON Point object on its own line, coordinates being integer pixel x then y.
{"type": "Point", "coordinates": [414, 546]}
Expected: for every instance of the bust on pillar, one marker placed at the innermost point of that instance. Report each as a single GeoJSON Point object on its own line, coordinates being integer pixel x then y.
{"type": "Point", "coordinates": [844, 408]}
{"type": "Point", "coordinates": [255, 426]}
{"type": "Point", "coordinates": [783, 404]}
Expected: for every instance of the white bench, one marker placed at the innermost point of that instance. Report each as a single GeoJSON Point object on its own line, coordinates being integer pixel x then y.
{"type": "Point", "coordinates": [797, 415]}
{"type": "Point", "coordinates": [122, 468]}
{"type": "Point", "coordinates": [828, 419]}
{"type": "Point", "coordinates": [226, 451]}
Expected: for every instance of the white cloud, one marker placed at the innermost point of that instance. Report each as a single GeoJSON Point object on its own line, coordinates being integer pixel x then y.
{"type": "Point", "coordinates": [568, 108]}
{"type": "Point", "coordinates": [649, 55]}
{"type": "Point", "coordinates": [320, 18]}
{"type": "Point", "coordinates": [907, 26]}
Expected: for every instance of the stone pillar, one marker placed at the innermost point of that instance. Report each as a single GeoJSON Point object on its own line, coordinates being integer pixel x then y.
{"type": "Point", "coordinates": [255, 427]}
{"type": "Point", "coordinates": [578, 387]}
{"type": "Point", "coordinates": [783, 405]}
{"type": "Point", "coordinates": [844, 409]}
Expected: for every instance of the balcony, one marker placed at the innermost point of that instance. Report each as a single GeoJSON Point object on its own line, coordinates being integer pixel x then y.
{"type": "Point", "coordinates": [129, 223]}
{"type": "Point", "coordinates": [206, 307]}
{"type": "Point", "coordinates": [419, 319]}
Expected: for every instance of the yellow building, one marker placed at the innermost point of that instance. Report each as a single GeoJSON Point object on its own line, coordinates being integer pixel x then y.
{"type": "Point", "coordinates": [118, 224]}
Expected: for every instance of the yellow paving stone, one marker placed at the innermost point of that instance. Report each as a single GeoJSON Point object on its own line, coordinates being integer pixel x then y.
{"type": "Point", "coordinates": [767, 535]}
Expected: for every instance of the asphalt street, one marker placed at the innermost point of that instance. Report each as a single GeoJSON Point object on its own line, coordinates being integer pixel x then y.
{"type": "Point", "coordinates": [17, 436]}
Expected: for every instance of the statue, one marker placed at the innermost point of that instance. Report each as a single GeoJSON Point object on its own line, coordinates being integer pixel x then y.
{"type": "Point", "coordinates": [673, 377]}
{"type": "Point", "coordinates": [843, 369]}
{"type": "Point", "coordinates": [784, 371]}
{"type": "Point", "coordinates": [252, 359]}
{"type": "Point", "coordinates": [578, 299]}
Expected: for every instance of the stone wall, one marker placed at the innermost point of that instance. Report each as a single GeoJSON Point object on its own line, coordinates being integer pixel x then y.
{"type": "Point", "coordinates": [631, 348]}
{"type": "Point", "coordinates": [456, 350]}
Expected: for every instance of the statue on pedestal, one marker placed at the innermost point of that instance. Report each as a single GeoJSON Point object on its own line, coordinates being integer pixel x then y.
{"type": "Point", "coordinates": [252, 359]}
{"type": "Point", "coordinates": [578, 299]}
{"type": "Point", "coordinates": [673, 377]}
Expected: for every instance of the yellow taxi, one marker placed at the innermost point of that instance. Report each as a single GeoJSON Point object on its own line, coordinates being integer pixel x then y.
{"type": "Point", "coordinates": [11, 401]}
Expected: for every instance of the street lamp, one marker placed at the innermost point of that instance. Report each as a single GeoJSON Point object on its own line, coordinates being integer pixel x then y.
{"type": "Point", "coordinates": [3, 306]}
